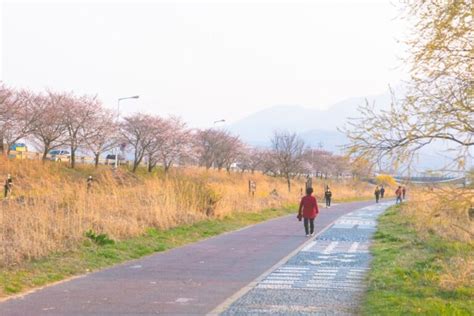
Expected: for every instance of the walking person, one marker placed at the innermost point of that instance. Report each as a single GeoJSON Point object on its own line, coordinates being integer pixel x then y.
{"type": "Point", "coordinates": [398, 194]}
{"type": "Point", "coordinates": [382, 192]}
{"type": "Point", "coordinates": [308, 211]}
{"type": "Point", "coordinates": [327, 197]}
{"type": "Point", "coordinates": [377, 194]}
{"type": "Point", "coordinates": [8, 187]}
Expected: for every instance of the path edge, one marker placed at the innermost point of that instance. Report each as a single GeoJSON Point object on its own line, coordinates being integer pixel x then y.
{"type": "Point", "coordinates": [234, 297]}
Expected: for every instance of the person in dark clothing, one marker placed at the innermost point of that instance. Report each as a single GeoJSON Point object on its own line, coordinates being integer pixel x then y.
{"type": "Point", "coordinates": [404, 192]}
{"type": "Point", "coordinates": [377, 194]}
{"type": "Point", "coordinates": [308, 210]}
{"type": "Point", "coordinates": [382, 192]}
{"type": "Point", "coordinates": [8, 187]}
{"type": "Point", "coordinates": [327, 197]}
{"type": "Point", "coordinates": [398, 193]}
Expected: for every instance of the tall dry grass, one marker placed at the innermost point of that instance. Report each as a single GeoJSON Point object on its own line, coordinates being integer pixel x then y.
{"type": "Point", "coordinates": [50, 209]}
{"type": "Point", "coordinates": [444, 212]}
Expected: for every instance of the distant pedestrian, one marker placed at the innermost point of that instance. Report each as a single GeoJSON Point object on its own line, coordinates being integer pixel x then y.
{"type": "Point", "coordinates": [308, 210]}
{"type": "Point", "coordinates": [382, 192]}
{"type": "Point", "coordinates": [8, 186]}
{"type": "Point", "coordinates": [404, 192]}
{"type": "Point", "coordinates": [90, 182]}
{"type": "Point", "coordinates": [377, 194]}
{"type": "Point", "coordinates": [398, 194]}
{"type": "Point", "coordinates": [327, 197]}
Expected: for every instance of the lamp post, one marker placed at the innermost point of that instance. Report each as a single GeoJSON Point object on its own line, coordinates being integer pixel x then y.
{"type": "Point", "coordinates": [118, 115]}
{"type": "Point", "coordinates": [219, 121]}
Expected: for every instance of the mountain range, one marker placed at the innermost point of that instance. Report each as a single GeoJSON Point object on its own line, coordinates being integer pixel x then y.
{"type": "Point", "coordinates": [318, 128]}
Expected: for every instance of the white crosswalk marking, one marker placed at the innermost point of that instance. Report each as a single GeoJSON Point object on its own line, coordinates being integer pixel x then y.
{"type": "Point", "coordinates": [278, 281]}
{"type": "Point", "coordinates": [333, 267]}
{"type": "Point", "coordinates": [330, 247]}
{"type": "Point", "coordinates": [353, 247]}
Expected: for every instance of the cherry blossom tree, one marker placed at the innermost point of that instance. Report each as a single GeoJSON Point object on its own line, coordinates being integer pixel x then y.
{"type": "Point", "coordinates": [101, 133]}
{"type": "Point", "coordinates": [48, 130]}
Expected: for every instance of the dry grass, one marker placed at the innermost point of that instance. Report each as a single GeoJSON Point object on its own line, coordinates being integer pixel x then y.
{"type": "Point", "coordinates": [50, 209]}
{"type": "Point", "coordinates": [444, 212]}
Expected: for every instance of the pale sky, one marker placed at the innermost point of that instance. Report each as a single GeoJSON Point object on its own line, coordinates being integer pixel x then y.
{"type": "Point", "coordinates": [203, 61]}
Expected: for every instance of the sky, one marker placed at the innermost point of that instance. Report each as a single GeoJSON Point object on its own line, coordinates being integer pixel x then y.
{"type": "Point", "coordinates": [203, 61]}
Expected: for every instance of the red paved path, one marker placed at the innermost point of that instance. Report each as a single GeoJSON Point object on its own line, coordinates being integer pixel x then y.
{"type": "Point", "coordinates": [189, 280]}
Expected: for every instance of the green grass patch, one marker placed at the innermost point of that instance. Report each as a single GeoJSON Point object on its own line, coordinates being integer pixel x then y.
{"type": "Point", "coordinates": [406, 271]}
{"type": "Point", "coordinates": [97, 251]}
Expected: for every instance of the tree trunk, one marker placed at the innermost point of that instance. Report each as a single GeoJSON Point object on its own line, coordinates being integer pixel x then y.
{"type": "Point", "coordinates": [97, 157]}
{"type": "Point", "coordinates": [289, 183]}
{"type": "Point", "coordinates": [73, 158]}
{"type": "Point", "coordinates": [151, 166]}
{"type": "Point", "coordinates": [2, 149]}
{"type": "Point", "coordinates": [135, 166]}
{"type": "Point", "coordinates": [45, 153]}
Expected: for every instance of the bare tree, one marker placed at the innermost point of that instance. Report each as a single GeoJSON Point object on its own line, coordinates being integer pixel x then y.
{"type": "Point", "coordinates": [206, 142]}
{"type": "Point", "coordinates": [101, 133]}
{"type": "Point", "coordinates": [227, 151]}
{"type": "Point", "coordinates": [177, 143]}
{"type": "Point", "coordinates": [251, 159]}
{"type": "Point", "coordinates": [77, 113]}
{"type": "Point", "coordinates": [137, 131]}
{"type": "Point", "coordinates": [217, 148]}
{"type": "Point", "coordinates": [269, 163]}
{"type": "Point", "coordinates": [321, 162]}
{"type": "Point", "coordinates": [10, 108]}
{"type": "Point", "coordinates": [341, 165]}
{"type": "Point", "coordinates": [160, 131]}
{"type": "Point", "coordinates": [288, 149]}
{"type": "Point", "coordinates": [438, 105]}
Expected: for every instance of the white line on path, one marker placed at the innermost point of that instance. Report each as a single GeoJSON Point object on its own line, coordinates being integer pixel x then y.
{"type": "Point", "coordinates": [353, 247]}
{"type": "Point", "coordinates": [330, 247]}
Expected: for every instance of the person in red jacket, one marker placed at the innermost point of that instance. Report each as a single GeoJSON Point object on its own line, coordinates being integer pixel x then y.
{"type": "Point", "coordinates": [308, 211]}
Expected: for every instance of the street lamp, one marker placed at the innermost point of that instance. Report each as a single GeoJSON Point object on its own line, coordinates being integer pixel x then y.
{"type": "Point", "coordinates": [219, 121]}
{"type": "Point", "coordinates": [118, 115]}
{"type": "Point", "coordinates": [120, 99]}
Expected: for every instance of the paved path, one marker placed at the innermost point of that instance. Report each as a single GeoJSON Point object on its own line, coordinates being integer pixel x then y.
{"type": "Point", "coordinates": [190, 280]}
{"type": "Point", "coordinates": [324, 278]}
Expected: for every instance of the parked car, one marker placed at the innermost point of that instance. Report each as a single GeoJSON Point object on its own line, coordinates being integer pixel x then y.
{"type": "Point", "coordinates": [19, 147]}
{"type": "Point", "coordinates": [59, 155]}
{"type": "Point", "coordinates": [110, 159]}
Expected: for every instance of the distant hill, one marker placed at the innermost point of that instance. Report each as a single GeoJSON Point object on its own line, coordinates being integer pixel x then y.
{"type": "Point", "coordinates": [316, 127]}
{"type": "Point", "coordinates": [319, 128]}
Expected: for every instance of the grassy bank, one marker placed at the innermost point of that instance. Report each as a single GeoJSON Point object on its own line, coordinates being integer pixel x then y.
{"type": "Point", "coordinates": [97, 252]}
{"type": "Point", "coordinates": [416, 271]}
{"type": "Point", "coordinates": [51, 207]}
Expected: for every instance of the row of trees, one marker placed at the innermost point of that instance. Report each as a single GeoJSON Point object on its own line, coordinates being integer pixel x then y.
{"type": "Point", "coordinates": [52, 120]}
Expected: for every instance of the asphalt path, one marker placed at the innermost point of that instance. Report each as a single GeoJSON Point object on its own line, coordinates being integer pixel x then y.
{"type": "Point", "coordinates": [189, 280]}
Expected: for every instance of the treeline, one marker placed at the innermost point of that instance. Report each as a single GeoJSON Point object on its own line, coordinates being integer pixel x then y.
{"type": "Point", "coordinates": [52, 120]}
